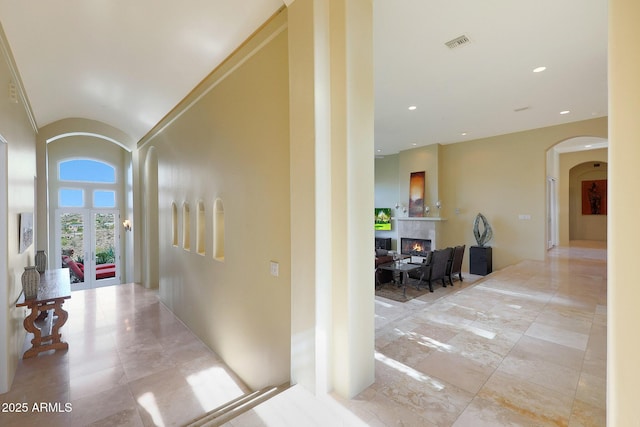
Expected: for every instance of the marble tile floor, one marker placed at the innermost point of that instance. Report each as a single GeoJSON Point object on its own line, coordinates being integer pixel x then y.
{"type": "Point", "coordinates": [130, 363]}
{"type": "Point", "coordinates": [524, 346]}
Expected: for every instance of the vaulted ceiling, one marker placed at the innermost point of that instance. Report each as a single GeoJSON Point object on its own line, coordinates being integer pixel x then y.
{"type": "Point", "coordinates": [128, 63]}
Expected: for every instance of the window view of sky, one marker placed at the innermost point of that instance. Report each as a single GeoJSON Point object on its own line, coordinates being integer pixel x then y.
{"type": "Point", "coordinates": [86, 171]}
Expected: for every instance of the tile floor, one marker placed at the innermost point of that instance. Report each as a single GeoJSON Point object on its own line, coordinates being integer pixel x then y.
{"type": "Point", "coordinates": [130, 363]}
{"type": "Point", "coordinates": [525, 346]}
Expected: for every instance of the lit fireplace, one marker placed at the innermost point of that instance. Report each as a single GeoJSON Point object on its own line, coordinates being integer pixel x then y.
{"type": "Point", "coordinates": [416, 247]}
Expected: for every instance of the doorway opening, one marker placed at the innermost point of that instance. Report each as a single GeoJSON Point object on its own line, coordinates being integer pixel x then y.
{"type": "Point", "coordinates": [87, 222]}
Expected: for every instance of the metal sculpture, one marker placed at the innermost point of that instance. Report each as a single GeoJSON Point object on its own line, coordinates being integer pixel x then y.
{"type": "Point", "coordinates": [487, 232]}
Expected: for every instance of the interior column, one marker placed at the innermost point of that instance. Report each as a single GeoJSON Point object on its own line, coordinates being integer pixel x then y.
{"type": "Point", "coordinates": [331, 75]}
{"type": "Point", "coordinates": [623, 349]}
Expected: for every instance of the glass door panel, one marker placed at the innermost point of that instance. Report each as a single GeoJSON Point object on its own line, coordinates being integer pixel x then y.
{"type": "Point", "coordinates": [88, 247]}
{"type": "Point", "coordinates": [105, 244]}
{"type": "Point", "coordinates": [71, 232]}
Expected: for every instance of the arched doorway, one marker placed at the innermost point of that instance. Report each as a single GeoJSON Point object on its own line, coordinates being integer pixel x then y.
{"type": "Point", "coordinates": [563, 196]}
{"type": "Point", "coordinates": [86, 187]}
{"type": "Point", "coordinates": [588, 201]}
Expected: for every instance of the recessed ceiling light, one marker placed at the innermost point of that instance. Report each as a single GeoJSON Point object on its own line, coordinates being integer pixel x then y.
{"type": "Point", "coordinates": [587, 146]}
{"type": "Point", "coordinates": [565, 112]}
{"type": "Point", "coordinates": [539, 69]}
{"type": "Point", "coordinates": [413, 107]}
{"type": "Point", "coordinates": [379, 151]}
{"type": "Point", "coordinates": [464, 134]}
{"type": "Point", "coordinates": [414, 144]}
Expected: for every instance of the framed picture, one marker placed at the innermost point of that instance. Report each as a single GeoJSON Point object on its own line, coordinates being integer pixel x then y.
{"type": "Point", "coordinates": [382, 218]}
{"type": "Point", "coordinates": [26, 231]}
{"type": "Point", "coordinates": [594, 197]}
{"type": "Point", "coordinates": [416, 194]}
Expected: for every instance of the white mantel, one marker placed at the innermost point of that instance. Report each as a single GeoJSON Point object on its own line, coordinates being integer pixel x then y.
{"type": "Point", "coordinates": [427, 227]}
{"type": "Point", "coordinates": [424, 218]}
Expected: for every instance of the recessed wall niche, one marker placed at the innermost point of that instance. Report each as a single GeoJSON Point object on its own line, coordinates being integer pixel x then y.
{"type": "Point", "coordinates": [186, 227]}
{"type": "Point", "coordinates": [174, 224]}
{"type": "Point", "coordinates": [200, 229]}
{"type": "Point", "coordinates": [218, 230]}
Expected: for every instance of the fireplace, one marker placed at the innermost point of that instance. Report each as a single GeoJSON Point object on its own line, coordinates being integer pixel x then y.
{"type": "Point", "coordinates": [415, 247]}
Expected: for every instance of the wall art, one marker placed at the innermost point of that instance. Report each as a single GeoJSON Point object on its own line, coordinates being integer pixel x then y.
{"type": "Point", "coordinates": [416, 194]}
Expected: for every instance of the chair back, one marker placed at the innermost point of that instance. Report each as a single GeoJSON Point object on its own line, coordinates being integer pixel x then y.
{"type": "Point", "coordinates": [456, 263]}
{"type": "Point", "coordinates": [439, 261]}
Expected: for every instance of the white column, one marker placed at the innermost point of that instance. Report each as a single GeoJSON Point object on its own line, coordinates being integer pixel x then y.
{"type": "Point", "coordinates": [332, 291]}
{"type": "Point", "coordinates": [623, 369]}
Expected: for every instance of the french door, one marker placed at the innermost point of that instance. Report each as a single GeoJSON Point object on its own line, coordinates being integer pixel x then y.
{"type": "Point", "coordinates": [87, 243]}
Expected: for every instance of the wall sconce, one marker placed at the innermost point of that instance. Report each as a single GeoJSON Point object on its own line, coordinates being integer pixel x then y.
{"type": "Point", "coordinates": [127, 225]}
{"type": "Point", "coordinates": [438, 205]}
{"type": "Point", "coordinates": [427, 210]}
{"type": "Point", "coordinates": [401, 207]}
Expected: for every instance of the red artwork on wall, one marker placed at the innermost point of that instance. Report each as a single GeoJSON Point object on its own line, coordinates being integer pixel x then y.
{"type": "Point", "coordinates": [594, 197]}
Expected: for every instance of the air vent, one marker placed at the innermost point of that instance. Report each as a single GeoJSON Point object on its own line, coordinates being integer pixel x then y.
{"type": "Point", "coordinates": [458, 41]}
{"type": "Point", "coordinates": [517, 110]}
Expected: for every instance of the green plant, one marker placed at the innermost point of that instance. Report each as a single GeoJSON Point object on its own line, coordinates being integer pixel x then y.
{"type": "Point", "coordinates": [106, 257]}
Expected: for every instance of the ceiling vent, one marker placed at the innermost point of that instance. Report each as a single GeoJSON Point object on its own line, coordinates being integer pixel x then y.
{"type": "Point", "coordinates": [458, 41]}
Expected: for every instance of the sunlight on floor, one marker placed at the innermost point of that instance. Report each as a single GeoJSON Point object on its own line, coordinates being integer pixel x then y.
{"type": "Point", "coordinates": [416, 375]}
{"type": "Point", "coordinates": [148, 402]}
{"type": "Point", "coordinates": [213, 387]}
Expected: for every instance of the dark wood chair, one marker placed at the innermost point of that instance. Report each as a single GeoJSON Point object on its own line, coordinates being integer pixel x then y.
{"type": "Point", "coordinates": [456, 263]}
{"type": "Point", "coordinates": [440, 262]}
{"type": "Point", "coordinates": [434, 268]}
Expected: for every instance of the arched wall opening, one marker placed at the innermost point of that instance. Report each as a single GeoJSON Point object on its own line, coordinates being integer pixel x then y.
{"type": "Point", "coordinates": [588, 201]}
{"type": "Point", "coordinates": [89, 139]}
{"type": "Point", "coordinates": [87, 174]}
{"type": "Point", "coordinates": [564, 217]}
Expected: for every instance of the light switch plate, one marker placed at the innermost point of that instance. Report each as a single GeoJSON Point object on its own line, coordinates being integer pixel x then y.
{"type": "Point", "coordinates": [275, 269]}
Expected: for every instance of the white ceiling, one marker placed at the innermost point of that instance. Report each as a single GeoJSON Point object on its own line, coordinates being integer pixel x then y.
{"type": "Point", "coordinates": [128, 63]}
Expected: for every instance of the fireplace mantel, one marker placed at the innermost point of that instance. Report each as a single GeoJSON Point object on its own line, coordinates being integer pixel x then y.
{"type": "Point", "coordinates": [418, 218]}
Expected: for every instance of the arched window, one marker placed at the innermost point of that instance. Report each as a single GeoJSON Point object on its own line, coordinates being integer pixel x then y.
{"type": "Point", "coordinates": [86, 170]}
{"type": "Point", "coordinates": [86, 183]}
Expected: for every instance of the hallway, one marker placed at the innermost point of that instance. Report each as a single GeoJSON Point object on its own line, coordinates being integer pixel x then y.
{"type": "Point", "coordinates": [130, 363]}
{"type": "Point", "coordinates": [523, 346]}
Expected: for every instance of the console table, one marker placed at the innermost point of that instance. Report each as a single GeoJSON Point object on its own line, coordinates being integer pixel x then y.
{"type": "Point", "coordinates": [54, 288]}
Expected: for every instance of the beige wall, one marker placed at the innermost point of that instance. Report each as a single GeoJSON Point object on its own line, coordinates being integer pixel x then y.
{"type": "Point", "coordinates": [233, 144]}
{"type": "Point", "coordinates": [387, 192]}
{"type": "Point", "coordinates": [18, 195]}
{"type": "Point", "coordinates": [502, 177]}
